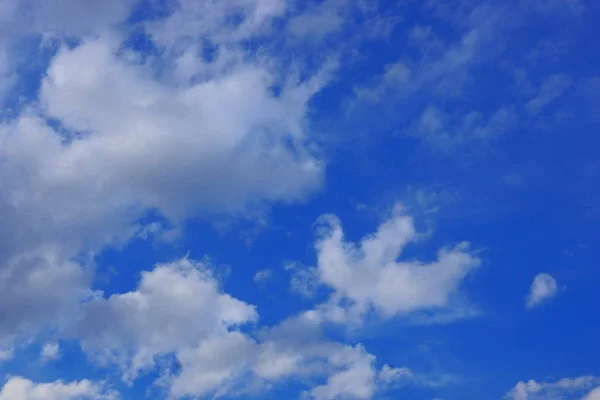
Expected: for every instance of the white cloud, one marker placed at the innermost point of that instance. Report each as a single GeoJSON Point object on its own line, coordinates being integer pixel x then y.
{"type": "Point", "coordinates": [440, 76]}
{"type": "Point", "coordinates": [229, 130]}
{"type": "Point", "coordinates": [50, 351]}
{"type": "Point", "coordinates": [304, 280]}
{"type": "Point", "coordinates": [391, 376]}
{"type": "Point", "coordinates": [175, 306]}
{"type": "Point", "coordinates": [202, 137]}
{"type": "Point", "coordinates": [445, 132]}
{"type": "Point", "coordinates": [356, 380]}
{"type": "Point", "coordinates": [443, 73]}
{"type": "Point", "coordinates": [178, 312]}
{"type": "Point", "coordinates": [235, 364]}
{"type": "Point", "coordinates": [36, 290]}
{"type": "Point", "coordinates": [593, 395]}
{"type": "Point", "coordinates": [17, 388]}
{"type": "Point", "coordinates": [348, 21]}
{"type": "Point", "coordinates": [543, 288]}
{"type": "Point", "coordinates": [261, 276]}
{"type": "Point", "coordinates": [567, 388]}
{"type": "Point", "coordinates": [551, 89]}
{"type": "Point", "coordinates": [320, 20]}
{"type": "Point", "coordinates": [6, 354]}
{"type": "Point", "coordinates": [369, 275]}
{"type": "Point", "coordinates": [127, 137]}
{"type": "Point", "coordinates": [396, 76]}
{"type": "Point", "coordinates": [214, 366]}
{"type": "Point", "coordinates": [192, 21]}
{"type": "Point", "coordinates": [66, 17]}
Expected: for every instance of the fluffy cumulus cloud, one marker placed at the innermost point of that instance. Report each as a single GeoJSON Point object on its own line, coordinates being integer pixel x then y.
{"type": "Point", "coordinates": [543, 288]}
{"type": "Point", "coordinates": [215, 145]}
{"type": "Point", "coordinates": [24, 19]}
{"type": "Point", "coordinates": [235, 364]}
{"type": "Point", "coordinates": [36, 291]}
{"type": "Point", "coordinates": [17, 388]}
{"type": "Point", "coordinates": [178, 312]}
{"type": "Point", "coordinates": [260, 277]}
{"type": "Point", "coordinates": [156, 319]}
{"type": "Point", "coordinates": [128, 119]}
{"type": "Point", "coordinates": [112, 136]}
{"type": "Point", "coordinates": [567, 388]}
{"type": "Point", "coordinates": [370, 275]}
{"type": "Point", "coordinates": [197, 126]}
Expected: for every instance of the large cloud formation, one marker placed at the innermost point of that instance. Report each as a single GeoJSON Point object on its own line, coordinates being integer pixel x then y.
{"type": "Point", "coordinates": [204, 117]}
{"type": "Point", "coordinates": [112, 136]}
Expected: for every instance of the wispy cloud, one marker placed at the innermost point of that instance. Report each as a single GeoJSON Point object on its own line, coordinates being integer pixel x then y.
{"type": "Point", "coordinates": [543, 288]}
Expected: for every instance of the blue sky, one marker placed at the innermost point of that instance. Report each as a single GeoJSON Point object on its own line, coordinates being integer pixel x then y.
{"type": "Point", "coordinates": [267, 199]}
